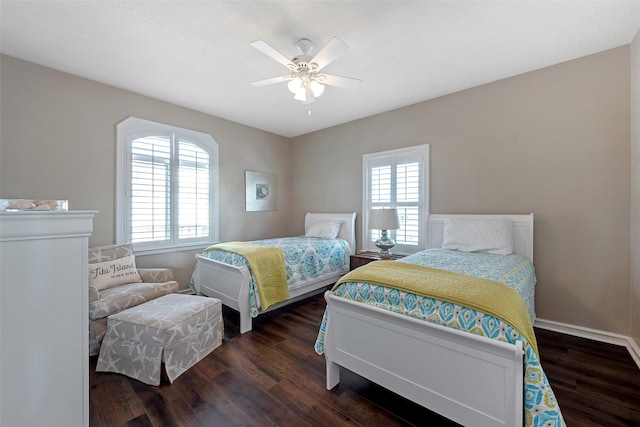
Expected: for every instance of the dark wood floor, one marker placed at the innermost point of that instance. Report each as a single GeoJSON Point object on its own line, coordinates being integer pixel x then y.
{"type": "Point", "coordinates": [272, 377]}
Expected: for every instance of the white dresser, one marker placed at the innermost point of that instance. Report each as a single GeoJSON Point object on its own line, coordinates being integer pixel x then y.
{"type": "Point", "coordinates": [44, 362]}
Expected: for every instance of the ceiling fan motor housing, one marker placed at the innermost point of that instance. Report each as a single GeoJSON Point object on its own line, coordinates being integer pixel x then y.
{"type": "Point", "coordinates": [305, 46]}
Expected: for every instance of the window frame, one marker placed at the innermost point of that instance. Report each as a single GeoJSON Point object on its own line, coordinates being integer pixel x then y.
{"type": "Point", "coordinates": [134, 128]}
{"type": "Point", "coordinates": [419, 152]}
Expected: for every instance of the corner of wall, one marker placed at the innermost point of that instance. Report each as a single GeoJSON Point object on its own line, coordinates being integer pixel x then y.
{"type": "Point", "coordinates": [635, 188]}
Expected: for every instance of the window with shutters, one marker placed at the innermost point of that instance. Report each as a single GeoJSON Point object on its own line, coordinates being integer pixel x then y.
{"type": "Point", "coordinates": [167, 186]}
{"type": "Point", "coordinates": [398, 179]}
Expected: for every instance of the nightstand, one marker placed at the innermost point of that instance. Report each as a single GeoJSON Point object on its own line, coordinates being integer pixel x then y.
{"type": "Point", "coordinates": [363, 258]}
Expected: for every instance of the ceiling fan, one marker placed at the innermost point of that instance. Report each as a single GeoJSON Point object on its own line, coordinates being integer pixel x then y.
{"type": "Point", "coordinates": [306, 81]}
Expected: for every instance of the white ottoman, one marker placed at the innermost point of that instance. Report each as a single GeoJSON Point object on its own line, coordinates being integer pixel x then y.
{"type": "Point", "coordinates": [177, 330]}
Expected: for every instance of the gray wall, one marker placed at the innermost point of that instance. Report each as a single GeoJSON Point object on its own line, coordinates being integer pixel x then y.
{"type": "Point", "coordinates": [555, 142]}
{"type": "Point", "coordinates": [58, 140]}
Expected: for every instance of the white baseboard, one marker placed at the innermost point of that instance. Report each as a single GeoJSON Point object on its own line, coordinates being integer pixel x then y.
{"type": "Point", "coordinates": [593, 334]}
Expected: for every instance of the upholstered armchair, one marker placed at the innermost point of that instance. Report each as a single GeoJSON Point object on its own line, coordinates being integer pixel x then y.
{"type": "Point", "coordinates": [115, 284]}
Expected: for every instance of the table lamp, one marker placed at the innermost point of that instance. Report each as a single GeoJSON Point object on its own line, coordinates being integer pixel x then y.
{"type": "Point", "coordinates": [384, 220]}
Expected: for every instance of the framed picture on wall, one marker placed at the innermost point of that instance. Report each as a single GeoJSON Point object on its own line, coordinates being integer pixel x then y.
{"type": "Point", "coordinates": [260, 191]}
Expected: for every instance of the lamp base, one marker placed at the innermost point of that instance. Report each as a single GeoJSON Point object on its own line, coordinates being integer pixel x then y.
{"type": "Point", "coordinates": [385, 243]}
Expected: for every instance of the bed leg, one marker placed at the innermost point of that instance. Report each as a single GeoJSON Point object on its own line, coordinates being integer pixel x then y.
{"type": "Point", "coordinates": [245, 322]}
{"type": "Point", "coordinates": [333, 374]}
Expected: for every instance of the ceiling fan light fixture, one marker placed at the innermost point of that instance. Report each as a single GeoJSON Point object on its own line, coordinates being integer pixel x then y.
{"type": "Point", "coordinates": [316, 88]}
{"type": "Point", "coordinates": [295, 85]}
{"type": "Point", "coordinates": [305, 95]}
{"type": "Point", "coordinates": [300, 96]}
{"type": "Point", "coordinates": [308, 94]}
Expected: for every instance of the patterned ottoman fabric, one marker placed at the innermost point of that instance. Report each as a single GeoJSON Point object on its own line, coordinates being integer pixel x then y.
{"type": "Point", "coordinates": [117, 299]}
{"type": "Point", "coordinates": [177, 330]}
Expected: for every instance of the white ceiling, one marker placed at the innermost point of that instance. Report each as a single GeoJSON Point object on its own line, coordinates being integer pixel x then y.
{"type": "Point", "coordinates": [197, 54]}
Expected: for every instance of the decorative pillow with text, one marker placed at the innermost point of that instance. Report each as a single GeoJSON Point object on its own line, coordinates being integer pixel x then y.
{"type": "Point", "coordinates": [107, 274]}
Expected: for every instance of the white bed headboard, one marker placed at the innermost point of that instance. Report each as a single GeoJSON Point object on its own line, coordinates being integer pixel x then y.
{"type": "Point", "coordinates": [522, 231]}
{"type": "Point", "coordinates": [347, 229]}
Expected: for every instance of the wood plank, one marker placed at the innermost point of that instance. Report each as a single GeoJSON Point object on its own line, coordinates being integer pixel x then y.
{"type": "Point", "coordinates": [272, 376]}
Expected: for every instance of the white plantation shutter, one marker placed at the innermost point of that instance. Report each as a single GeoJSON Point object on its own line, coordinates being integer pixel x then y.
{"type": "Point", "coordinates": [408, 202]}
{"type": "Point", "coordinates": [193, 195]}
{"type": "Point", "coordinates": [398, 179]}
{"type": "Point", "coordinates": [167, 186]}
{"type": "Point", "coordinates": [150, 189]}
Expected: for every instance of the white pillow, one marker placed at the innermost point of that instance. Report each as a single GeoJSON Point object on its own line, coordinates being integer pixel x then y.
{"type": "Point", "coordinates": [324, 229]}
{"type": "Point", "coordinates": [107, 274]}
{"type": "Point", "coordinates": [489, 235]}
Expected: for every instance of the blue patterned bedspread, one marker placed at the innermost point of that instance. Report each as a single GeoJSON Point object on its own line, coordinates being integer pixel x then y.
{"type": "Point", "coordinates": [304, 258]}
{"type": "Point", "coordinates": [514, 271]}
{"type": "Point", "coordinates": [540, 406]}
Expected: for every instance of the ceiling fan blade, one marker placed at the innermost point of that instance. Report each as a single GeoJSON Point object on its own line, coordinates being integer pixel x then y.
{"type": "Point", "coordinates": [273, 80]}
{"type": "Point", "coordinates": [332, 50]}
{"type": "Point", "coordinates": [339, 81]}
{"type": "Point", "coordinates": [266, 48]}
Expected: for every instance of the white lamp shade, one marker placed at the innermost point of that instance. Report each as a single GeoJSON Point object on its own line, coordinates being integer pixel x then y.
{"type": "Point", "coordinates": [384, 219]}
{"type": "Point", "coordinates": [305, 95]}
{"type": "Point", "coordinates": [300, 96]}
{"type": "Point", "coordinates": [316, 88]}
{"type": "Point", "coordinates": [295, 85]}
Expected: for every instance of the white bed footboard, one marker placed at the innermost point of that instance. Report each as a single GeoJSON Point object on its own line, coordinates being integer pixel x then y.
{"type": "Point", "coordinates": [228, 283]}
{"type": "Point", "coordinates": [469, 379]}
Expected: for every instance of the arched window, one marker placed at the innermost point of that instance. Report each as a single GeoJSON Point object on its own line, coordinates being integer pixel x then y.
{"type": "Point", "coordinates": [167, 186]}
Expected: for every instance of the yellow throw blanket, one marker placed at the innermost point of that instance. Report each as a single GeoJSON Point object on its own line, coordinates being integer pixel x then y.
{"type": "Point", "coordinates": [267, 265]}
{"type": "Point", "coordinates": [487, 296]}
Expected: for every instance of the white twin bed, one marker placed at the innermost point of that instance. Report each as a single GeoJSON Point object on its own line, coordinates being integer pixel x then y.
{"type": "Point", "coordinates": [232, 284]}
{"type": "Point", "coordinates": [471, 379]}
